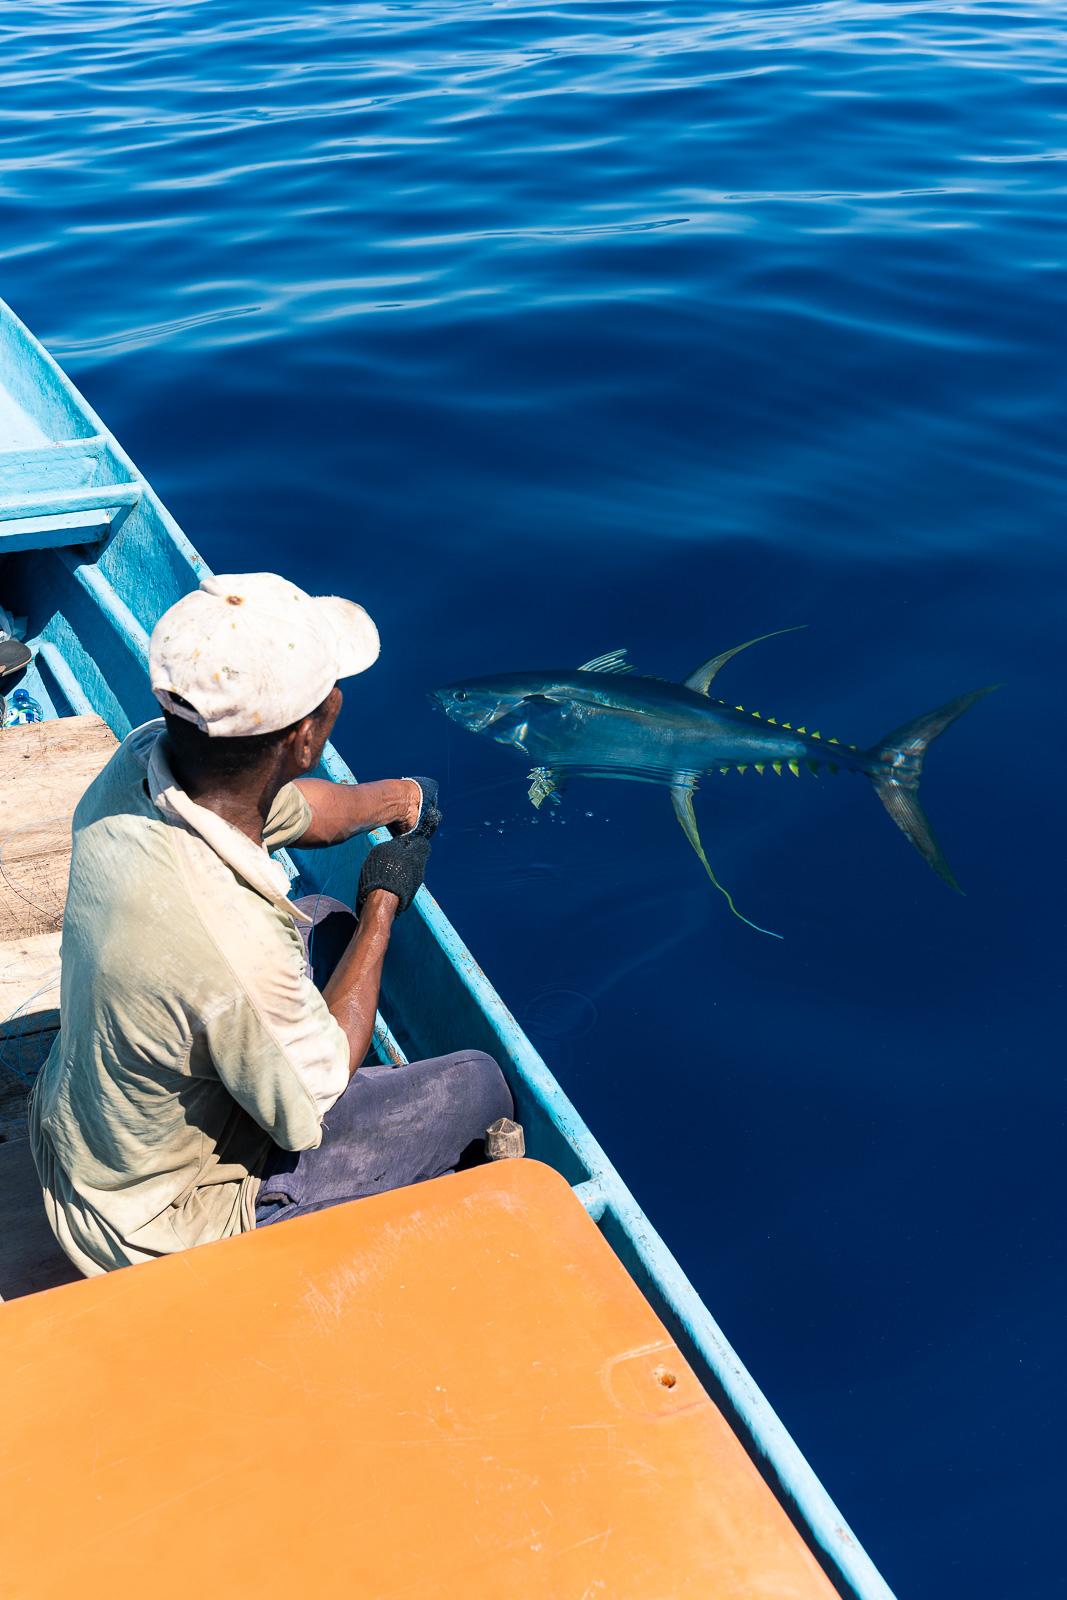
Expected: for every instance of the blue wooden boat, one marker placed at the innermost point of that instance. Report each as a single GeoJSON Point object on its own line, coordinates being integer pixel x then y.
{"type": "Point", "coordinates": [91, 558]}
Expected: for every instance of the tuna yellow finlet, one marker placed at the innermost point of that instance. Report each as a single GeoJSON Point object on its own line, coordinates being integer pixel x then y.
{"type": "Point", "coordinates": [760, 768]}
{"type": "Point", "coordinates": [777, 765]}
{"type": "Point", "coordinates": [794, 769]}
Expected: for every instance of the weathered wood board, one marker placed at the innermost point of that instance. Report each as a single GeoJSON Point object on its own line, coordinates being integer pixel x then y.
{"type": "Point", "coordinates": [29, 985]}
{"type": "Point", "coordinates": [45, 768]}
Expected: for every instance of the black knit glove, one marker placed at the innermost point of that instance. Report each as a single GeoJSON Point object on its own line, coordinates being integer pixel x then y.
{"type": "Point", "coordinates": [398, 865]}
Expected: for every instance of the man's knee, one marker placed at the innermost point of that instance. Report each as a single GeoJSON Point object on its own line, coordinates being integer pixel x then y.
{"type": "Point", "coordinates": [483, 1081]}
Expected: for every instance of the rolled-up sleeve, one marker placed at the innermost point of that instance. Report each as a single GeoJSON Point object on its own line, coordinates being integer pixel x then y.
{"type": "Point", "coordinates": [288, 820]}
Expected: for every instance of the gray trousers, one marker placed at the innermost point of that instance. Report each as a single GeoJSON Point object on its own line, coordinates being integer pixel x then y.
{"type": "Point", "coordinates": [393, 1125]}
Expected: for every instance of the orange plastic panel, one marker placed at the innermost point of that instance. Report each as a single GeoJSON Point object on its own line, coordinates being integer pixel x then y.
{"type": "Point", "coordinates": [453, 1389]}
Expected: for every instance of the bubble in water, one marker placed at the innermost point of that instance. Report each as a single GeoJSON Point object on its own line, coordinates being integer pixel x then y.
{"type": "Point", "coordinates": [589, 813]}
{"type": "Point", "coordinates": [559, 1014]}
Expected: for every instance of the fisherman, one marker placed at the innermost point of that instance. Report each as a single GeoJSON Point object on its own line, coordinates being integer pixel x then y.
{"type": "Point", "coordinates": [201, 1084]}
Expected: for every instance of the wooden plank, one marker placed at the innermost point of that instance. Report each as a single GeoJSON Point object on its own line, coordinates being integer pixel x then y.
{"type": "Point", "coordinates": [49, 533]}
{"type": "Point", "coordinates": [62, 500]}
{"type": "Point", "coordinates": [45, 768]}
{"type": "Point", "coordinates": [67, 464]}
{"type": "Point", "coordinates": [30, 1258]}
{"type": "Point", "coordinates": [29, 985]}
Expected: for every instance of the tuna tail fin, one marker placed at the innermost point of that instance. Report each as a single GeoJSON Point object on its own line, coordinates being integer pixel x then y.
{"type": "Point", "coordinates": [682, 800]}
{"type": "Point", "coordinates": [895, 770]}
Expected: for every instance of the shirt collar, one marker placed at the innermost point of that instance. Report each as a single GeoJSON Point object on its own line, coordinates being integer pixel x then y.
{"type": "Point", "coordinates": [249, 860]}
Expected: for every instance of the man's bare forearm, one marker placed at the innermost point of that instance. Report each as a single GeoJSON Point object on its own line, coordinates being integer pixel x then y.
{"type": "Point", "coordinates": [352, 992]}
{"type": "Point", "coordinates": [341, 810]}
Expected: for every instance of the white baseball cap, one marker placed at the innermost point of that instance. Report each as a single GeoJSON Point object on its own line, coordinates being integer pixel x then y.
{"type": "Point", "coordinates": [251, 653]}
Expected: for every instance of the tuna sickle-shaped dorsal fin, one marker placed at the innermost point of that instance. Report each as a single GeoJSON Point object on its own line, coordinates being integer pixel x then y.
{"type": "Point", "coordinates": [700, 680]}
{"type": "Point", "coordinates": [611, 661]}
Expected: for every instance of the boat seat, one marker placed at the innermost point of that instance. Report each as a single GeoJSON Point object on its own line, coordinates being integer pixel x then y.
{"type": "Point", "coordinates": [451, 1389]}
{"type": "Point", "coordinates": [45, 768]}
{"type": "Point", "coordinates": [48, 533]}
{"type": "Point", "coordinates": [56, 464]}
{"type": "Point", "coordinates": [48, 496]}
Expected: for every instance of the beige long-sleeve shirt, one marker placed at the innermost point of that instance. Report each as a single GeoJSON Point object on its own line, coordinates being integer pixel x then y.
{"type": "Point", "coordinates": [192, 1039]}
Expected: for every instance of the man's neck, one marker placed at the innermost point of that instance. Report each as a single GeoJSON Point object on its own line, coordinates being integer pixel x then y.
{"type": "Point", "coordinates": [243, 802]}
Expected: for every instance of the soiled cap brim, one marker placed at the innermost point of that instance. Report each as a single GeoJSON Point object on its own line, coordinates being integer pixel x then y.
{"type": "Point", "coordinates": [358, 644]}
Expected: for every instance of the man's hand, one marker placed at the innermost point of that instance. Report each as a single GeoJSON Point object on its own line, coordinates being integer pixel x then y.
{"type": "Point", "coordinates": [339, 811]}
{"type": "Point", "coordinates": [398, 866]}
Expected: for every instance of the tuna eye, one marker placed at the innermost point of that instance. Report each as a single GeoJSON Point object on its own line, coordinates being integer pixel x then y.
{"type": "Point", "coordinates": [461, 694]}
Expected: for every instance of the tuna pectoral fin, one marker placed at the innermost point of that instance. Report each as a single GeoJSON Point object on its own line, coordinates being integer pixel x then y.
{"type": "Point", "coordinates": [682, 801]}
{"type": "Point", "coordinates": [544, 785]}
{"type": "Point", "coordinates": [895, 770]}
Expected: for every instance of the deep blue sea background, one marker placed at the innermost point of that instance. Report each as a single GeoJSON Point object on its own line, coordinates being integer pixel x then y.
{"type": "Point", "coordinates": [545, 329]}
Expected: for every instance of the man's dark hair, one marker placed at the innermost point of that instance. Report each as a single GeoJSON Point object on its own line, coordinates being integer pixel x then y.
{"type": "Point", "coordinates": [226, 757]}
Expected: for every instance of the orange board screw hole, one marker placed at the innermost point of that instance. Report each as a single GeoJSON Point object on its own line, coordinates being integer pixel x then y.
{"type": "Point", "coordinates": [667, 1379]}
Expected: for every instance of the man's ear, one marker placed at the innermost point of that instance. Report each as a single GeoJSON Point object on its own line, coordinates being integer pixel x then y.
{"type": "Point", "coordinates": [304, 744]}
{"type": "Point", "coordinates": [310, 734]}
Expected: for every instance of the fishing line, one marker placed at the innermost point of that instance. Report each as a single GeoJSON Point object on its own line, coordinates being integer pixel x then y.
{"type": "Point", "coordinates": [50, 984]}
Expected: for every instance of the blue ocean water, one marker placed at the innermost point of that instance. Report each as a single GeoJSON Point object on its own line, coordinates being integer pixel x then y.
{"type": "Point", "coordinates": [544, 329]}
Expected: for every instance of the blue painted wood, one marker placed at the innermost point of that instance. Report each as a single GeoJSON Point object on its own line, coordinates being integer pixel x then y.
{"type": "Point", "coordinates": [50, 533]}
{"type": "Point", "coordinates": [93, 617]}
{"type": "Point", "coordinates": [60, 502]}
{"type": "Point", "coordinates": [69, 686]}
{"type": "Point", "coordinates": [67, 464]}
